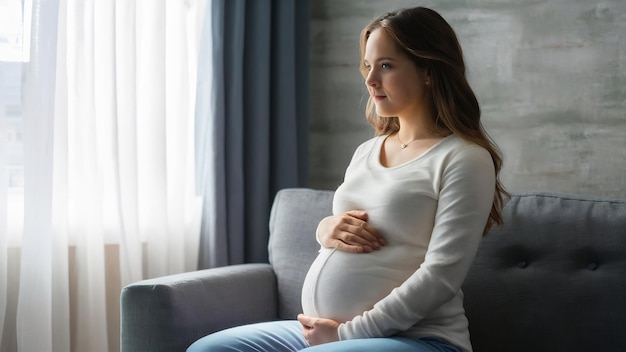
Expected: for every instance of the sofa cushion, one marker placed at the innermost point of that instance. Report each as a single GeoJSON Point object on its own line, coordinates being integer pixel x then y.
{"type": "Point", "coordinates": [553, 275]}
{"type": "Point", "coordinates": [292, 245]}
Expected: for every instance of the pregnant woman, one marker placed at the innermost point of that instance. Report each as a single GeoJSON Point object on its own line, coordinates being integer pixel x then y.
{"type": "Point", "coordinates": [409, 216]}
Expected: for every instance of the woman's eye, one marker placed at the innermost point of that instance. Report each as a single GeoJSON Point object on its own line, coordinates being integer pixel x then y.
{"type": "Point", "coordinates": [385, 66]}
{"type": "Point", "coordinates": [367, 67]}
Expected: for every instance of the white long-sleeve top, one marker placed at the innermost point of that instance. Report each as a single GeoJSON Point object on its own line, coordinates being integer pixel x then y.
{"type": "Point", "coordinates": [431, 211]}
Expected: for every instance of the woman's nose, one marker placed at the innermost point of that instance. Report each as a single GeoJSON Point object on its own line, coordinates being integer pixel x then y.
{"type": "Point", "coordinates": [371, 80]}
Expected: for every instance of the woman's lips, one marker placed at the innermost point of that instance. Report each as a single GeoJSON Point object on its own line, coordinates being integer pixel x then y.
{"type": "Point", "coordinates": [378, 97]}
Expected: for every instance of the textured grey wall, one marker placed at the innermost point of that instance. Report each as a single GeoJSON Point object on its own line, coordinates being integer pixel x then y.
{"type": "Point", "coordinates": [550, 77]}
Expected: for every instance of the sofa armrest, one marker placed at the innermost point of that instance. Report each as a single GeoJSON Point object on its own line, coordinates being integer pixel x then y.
{"type": "Point", "coordinates": [169, 313]}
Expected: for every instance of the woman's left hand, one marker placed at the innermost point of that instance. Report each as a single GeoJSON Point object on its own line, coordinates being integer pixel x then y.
{"type": "Point", "coordinates": [317, 331]}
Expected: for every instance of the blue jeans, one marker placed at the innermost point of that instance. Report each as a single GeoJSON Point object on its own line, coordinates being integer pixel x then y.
{"type": "Point", "coordinates": [286, 336]}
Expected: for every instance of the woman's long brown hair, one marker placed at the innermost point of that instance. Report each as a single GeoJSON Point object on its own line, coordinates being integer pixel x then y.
{"type": "Point", "coordinates": [425, 37]}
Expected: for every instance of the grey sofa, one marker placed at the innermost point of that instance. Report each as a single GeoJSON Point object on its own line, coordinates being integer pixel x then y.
{"type": "Point", "coordinates": [553, 278]}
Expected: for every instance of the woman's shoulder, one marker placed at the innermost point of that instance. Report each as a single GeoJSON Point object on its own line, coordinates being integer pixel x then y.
{"type": "Point", "coordinates": [466, 155]}
{"type": "Point", "coordinates": [457, 146]}
{"type": "Point", "coordinates": [374, 140]}
{"type": "Point", "coordinates": [369, 145]}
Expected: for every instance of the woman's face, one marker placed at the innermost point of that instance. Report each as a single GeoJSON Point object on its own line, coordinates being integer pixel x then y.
{"type": "Point", "coordinates": [396, 85]}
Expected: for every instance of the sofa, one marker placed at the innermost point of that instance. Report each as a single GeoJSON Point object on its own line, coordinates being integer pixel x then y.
{"type": "Point", "coordinates": [552, 278]}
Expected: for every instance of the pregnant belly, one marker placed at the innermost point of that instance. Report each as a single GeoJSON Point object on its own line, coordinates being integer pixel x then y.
{"type": "Point", "coordinates": [342, 285]}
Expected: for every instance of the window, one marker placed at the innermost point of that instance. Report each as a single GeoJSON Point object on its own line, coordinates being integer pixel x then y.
{"type": "Point", "coordinates": [11, 111]}
{"type": "Point", "coordinates": [15, 20]}
{"type": "Point", "coordinates": [11, 115]}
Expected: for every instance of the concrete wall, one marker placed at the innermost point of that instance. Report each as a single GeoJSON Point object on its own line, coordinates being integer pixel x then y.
{"type": "Point", "coordinates": [550, 77]}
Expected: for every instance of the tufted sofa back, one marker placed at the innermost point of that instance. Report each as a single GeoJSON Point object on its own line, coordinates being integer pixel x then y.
{"type": "Point", "coordinates": [553, 278]}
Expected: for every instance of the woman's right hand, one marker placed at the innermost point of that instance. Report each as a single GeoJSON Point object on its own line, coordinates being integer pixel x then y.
{"type": "Point", "coordinates": [349, 232]}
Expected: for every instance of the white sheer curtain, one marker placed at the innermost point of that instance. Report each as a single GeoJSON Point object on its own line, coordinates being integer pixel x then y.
{"type": "Point", "coordinates": [109, 197]}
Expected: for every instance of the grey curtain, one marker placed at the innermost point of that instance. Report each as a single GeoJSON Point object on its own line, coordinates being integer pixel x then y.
{"type": "Point", "coordinates": [251, 121]}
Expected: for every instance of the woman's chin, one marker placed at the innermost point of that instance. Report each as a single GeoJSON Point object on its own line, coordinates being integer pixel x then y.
{"type": "Point", "coordinates": [384, 114]}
